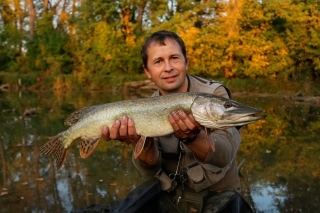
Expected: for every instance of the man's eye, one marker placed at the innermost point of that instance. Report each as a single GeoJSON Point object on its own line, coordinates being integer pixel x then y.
{"type": "Point", "coordinates": [157, 63]}
{"type": "Point", "coordinates": [175, 59]}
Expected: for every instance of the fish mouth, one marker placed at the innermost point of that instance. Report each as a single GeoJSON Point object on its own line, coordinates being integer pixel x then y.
{"type": "Point", "coordinates": [244, 118]}
{"type": "Point", "coordinates": [252, 117]}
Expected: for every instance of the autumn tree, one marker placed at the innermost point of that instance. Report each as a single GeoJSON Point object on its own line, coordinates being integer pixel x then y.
{"type": "Point", "coordinates": [98, 42]}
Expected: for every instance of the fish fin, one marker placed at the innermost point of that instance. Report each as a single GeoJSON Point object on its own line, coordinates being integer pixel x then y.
{"type": "Point", "coordinates": [210, 139]}
{"type": "Point", "coordinates": [87, 146]}
{"type": "Point", "coordinates": [139, 146]}
{"type": "Point", "coordinates": [55, 146]}
{"type": "Point", "coordinates": [77, 115]}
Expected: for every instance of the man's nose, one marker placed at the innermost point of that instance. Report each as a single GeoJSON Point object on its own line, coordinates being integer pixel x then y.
{"type": "Point", "coordinates": [168, 66]}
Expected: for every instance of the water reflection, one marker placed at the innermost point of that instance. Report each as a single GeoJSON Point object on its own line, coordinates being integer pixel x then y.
{"type": "Point", "coordinates": [280, 172]}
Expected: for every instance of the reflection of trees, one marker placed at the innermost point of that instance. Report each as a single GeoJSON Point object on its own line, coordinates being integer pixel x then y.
{"type": "Point", "coordinates": [289, 134]}
{"type": "Point", "coordinates": [3, 165]}
{"type": "Point", "coordinates": [245, 187]}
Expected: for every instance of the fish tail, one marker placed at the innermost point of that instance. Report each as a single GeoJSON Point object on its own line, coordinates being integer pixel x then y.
{"type": "Point", "coordinates": [54, 146]}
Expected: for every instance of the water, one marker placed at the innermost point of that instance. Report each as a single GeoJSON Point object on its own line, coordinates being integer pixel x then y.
{"type": "Point", "coordinates": [280, 173]}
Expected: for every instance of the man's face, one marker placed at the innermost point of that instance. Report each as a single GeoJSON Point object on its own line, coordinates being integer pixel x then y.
{"type": "Point", "coordinates": [167, 67]}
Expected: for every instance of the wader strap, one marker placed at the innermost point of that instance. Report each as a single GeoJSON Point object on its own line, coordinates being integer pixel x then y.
{"type": "Point", "coordinates": [169, 183]}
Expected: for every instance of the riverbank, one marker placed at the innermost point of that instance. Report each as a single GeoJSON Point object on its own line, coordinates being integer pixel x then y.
{"type": "Point", "coordinates": [304, 92]}
{"type": "Point", "coordinates": [298, 91]}
{"type": "Point", "coordinates": [255, 87]}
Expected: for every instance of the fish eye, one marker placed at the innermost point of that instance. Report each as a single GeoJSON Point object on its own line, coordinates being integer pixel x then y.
{"type": "Point", "coordinates": [227, 104]}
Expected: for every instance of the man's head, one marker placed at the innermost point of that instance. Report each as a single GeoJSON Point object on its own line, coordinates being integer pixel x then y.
{"type": "Point", "coordinates": [160, 37]}
{"type": "Point", "coordinates": [165, 62]}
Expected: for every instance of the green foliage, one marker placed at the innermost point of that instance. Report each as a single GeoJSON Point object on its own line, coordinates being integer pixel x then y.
{"type": "Point", "coordinates": [26, 80]}
{"type": "Point", "coordinates": [100, 39]}
{"type": "Point", "coordinates": [46, 50]}
{"type": "Point", "coordinates": [10, 44]}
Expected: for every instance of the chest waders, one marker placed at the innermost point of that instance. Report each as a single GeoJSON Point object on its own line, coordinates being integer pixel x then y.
{"type": "Point", "coordinates": [178, 197]}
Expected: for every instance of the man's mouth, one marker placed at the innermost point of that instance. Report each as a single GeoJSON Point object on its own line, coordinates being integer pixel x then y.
{"type": "Point", "coordinates": [170, 79]}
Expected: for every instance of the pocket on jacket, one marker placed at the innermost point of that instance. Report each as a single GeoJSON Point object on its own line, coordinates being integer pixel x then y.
{"type": "Point", "coordinates": [197, 178]}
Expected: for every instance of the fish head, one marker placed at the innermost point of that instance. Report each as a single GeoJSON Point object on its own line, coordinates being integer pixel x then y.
{"type": "Point", "coordinates": [221, 113]}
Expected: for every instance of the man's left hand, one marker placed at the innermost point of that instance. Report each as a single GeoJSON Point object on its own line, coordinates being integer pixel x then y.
{"type": "Point", "coordinates": [184, 125]}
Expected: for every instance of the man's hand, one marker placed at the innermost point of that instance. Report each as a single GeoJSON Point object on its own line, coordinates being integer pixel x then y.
{"type": "Point", "coordinates": [123, 130]}
{"type": "Point", "coordinates": [184, 126]}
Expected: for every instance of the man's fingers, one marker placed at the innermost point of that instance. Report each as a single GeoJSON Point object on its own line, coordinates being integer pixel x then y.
{"type": "Point", "coordinates": [190, 122]}
{"type": "Point", "coordinates": [180, 129]}
{"type": "Point", "coordinates": [131, 129]}
{"type": "Point", "coordinates": [185, 122]}
{"type": "Point", "coordinates": [123, 132]}
{"type": "Point", "coordinates": [184, 125]}
{"type": "Point", "coordinates": [193, 120]}
{"type": "Point", "coordinates": [176, 123]}
{"type": "Point", "coordinates": [105, 133]}
{"type": "Point", "coordinates": [114, 131]}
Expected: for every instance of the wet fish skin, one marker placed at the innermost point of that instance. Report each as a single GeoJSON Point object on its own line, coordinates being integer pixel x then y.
{"type": "Point", "coordinates": [151, 119]}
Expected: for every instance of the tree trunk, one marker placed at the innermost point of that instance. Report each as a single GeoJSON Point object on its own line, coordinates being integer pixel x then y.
{"type": "Point", "coordinates": [32, 17]}
{"type": "Point", "coordinates": [141, 7]}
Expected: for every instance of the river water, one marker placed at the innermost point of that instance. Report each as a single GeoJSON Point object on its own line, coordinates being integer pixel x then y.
{"type": "Point", "coordinates": [281, 156]}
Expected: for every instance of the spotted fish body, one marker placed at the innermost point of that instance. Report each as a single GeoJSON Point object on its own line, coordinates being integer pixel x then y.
{"type": "Point", "coordinates": [150, 116]}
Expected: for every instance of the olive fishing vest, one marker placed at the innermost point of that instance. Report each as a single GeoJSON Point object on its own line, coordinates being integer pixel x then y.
{"type": "Point", "coordinates": [195, 174]}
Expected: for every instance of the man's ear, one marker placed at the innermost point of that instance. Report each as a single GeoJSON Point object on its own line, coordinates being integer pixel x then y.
{"type": "Point", "coordinates": [146, 71]}
{"type": "Point", "coordinates": [187, 63]}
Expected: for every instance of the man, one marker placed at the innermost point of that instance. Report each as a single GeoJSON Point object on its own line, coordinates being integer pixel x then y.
{"type": "Point", "coordinates": [193, 176]}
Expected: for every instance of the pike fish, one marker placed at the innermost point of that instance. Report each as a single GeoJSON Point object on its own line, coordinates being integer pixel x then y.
{"type": "Point", "coordinates": [150, 116]}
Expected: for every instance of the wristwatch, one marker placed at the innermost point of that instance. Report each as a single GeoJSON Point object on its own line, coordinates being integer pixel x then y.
{"type": "Point", "coordinates": [187, 141]}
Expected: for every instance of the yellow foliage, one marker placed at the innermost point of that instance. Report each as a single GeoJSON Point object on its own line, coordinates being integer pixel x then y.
{"type": "Point", "coordinates": [107, 57]}
{"type": "Point", "coordinates": [58, 83]}
{"type": "Point", "coordinates": [127, 27]}
{"type": "Point", "coordinates": [277, 132]}
{"type": "Point", "coordinates": [64, 17]}
{"type": "Point", "coordinates": [189, 36]}
{"type": "Point", "coordinates": [256, 126]}
{"type": "Point", "coordinates": [131, 40]}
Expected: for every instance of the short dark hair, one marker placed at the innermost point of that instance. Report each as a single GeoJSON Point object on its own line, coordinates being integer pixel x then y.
{"type": "Point", "coordinates": [160, 37]}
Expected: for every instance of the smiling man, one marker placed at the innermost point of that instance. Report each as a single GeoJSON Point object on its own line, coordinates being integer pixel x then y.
{"type": "Point", "coordinates": [193, 176]}
{"type": "Point", "coordinates": [166, 65]}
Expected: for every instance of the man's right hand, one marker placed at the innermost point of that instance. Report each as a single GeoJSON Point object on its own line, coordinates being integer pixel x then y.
{"type": "Point", "coordinates": [123, 130]}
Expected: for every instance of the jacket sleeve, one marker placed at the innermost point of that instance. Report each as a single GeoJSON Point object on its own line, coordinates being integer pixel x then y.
{"type": "Point", "coordinates": [226, 141]}
{"type": "Point", "coordinates": [219, 166]}
{"type": "Point", "coordinates": [218, 171]}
